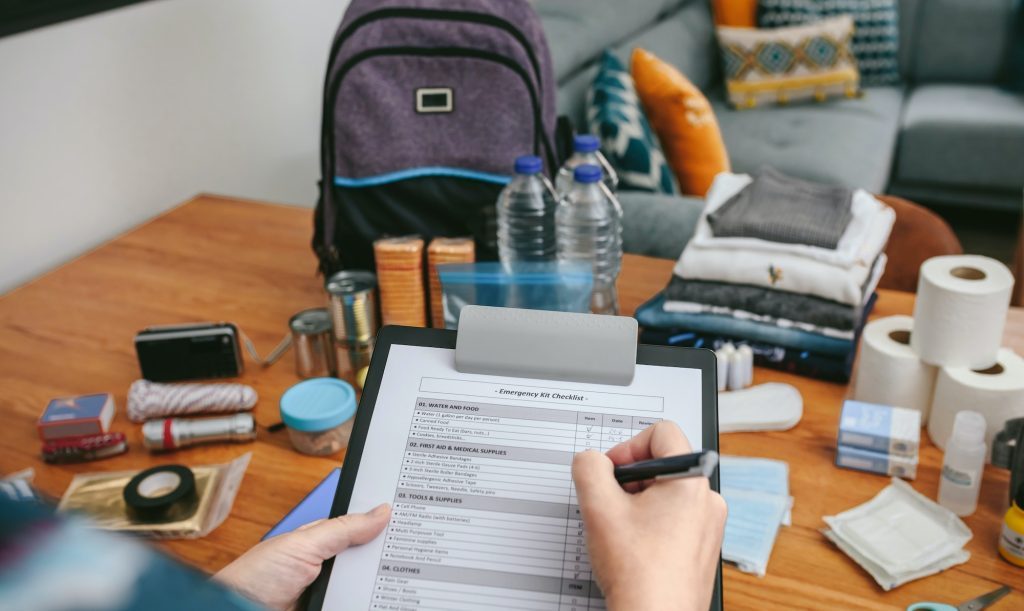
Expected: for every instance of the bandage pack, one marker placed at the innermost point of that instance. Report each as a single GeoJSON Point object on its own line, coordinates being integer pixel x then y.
{"type": "Point", "coordinates": [900, 535]}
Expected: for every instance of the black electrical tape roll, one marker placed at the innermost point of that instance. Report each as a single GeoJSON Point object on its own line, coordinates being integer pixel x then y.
{"type": "Point", "coordinates": [161, 493]}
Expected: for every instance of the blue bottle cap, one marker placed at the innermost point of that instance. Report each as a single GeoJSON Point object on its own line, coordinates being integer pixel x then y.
{"type": "Point", "coordinates": [585, 143]}
{"type": "Point", "coordinates": [587, 173]}
{"type": "Point", "coordinates": [318, 404]}
{"type": "Point", "coordinates": [528, 164]}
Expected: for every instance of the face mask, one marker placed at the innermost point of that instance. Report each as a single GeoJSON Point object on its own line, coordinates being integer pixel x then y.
{"type": "Point", "coordinates": [756, 491]}
{"type": "Point", "coordinates": [900, 535]}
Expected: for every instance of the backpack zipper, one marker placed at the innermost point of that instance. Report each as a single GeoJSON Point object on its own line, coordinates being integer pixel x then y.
{"type": "Point", "coordinates": [436, 14]}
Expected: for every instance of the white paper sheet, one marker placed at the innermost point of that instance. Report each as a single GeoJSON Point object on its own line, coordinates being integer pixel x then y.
{"type": "Point", "coordinates": [477, 469]}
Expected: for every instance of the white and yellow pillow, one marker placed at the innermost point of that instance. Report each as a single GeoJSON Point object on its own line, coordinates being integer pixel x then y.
{"type": "Point", "coordinates": [783, 65]}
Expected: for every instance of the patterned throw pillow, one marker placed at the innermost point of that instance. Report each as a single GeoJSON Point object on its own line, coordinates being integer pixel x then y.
{"type": "Point", "coordinates": [789, 64]}
{"type": "Point", "coordinates": [615, 115]}
{"type": "Point", "coordinates": [876, 40]}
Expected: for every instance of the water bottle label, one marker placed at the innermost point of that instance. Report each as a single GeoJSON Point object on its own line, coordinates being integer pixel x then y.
{"type": "Point", "coordinates": [959, 477]}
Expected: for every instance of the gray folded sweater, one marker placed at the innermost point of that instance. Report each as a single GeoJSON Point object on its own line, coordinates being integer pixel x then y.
{"type": "Point", "coordinates": [780, 208]}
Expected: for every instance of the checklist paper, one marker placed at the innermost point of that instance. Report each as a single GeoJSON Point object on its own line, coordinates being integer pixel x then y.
{"type": "Point", "coordinates": [478, 471]}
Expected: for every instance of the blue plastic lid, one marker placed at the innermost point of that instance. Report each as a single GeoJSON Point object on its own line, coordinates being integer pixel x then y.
{"type": "Point", "coordinates": [318, 404]}
{"type": "Point", "coordinates": [488, 273]}
{"type": "Point", "coordinates": [587, 173]}
{"type": "Point", "coordinates": [528, 164]}
{"type": "Point", "coordinates": [585, 143]}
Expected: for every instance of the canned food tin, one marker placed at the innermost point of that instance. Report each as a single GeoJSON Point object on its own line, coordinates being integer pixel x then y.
{"type": "Point", "coordinates": [352, 357]}
{"type": "Point", "coordinates": [314, 344]}
{"type": "Point", "coordinates": [353, 306]}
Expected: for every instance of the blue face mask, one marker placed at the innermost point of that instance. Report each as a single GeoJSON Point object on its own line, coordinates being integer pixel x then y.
{"type": "Point", "coordinates": [756, 491]}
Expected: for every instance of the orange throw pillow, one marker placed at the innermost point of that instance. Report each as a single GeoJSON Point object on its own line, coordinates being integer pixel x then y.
{"type": "Point", "coordinates": [736, 13]}
{"type": "Point", "coordinates": [683, 119]}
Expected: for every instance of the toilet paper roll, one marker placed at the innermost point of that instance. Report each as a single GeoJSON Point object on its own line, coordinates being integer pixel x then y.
{"type": "Point", "coordinates": [997, 393]}
{"type": "Point", "coordinates": [889, 372]}
{"type": "Point", "coordinates": [960, 311]}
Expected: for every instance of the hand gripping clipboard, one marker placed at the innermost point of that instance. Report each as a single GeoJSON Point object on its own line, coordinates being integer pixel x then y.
{"type": "Point", "coordinates": [540, 348]}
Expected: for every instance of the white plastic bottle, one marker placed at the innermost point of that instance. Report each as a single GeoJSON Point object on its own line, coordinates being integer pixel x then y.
{"type": "Point", "coordinates": [963, 463]}
{"type": "Point", "coordinates": [588, 225]}
{"type": "Point", "coordinates": [586, 149]}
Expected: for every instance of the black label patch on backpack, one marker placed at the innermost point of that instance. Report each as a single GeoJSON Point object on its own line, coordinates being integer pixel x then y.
{"type": "Point", "coordinates": [435, 99]}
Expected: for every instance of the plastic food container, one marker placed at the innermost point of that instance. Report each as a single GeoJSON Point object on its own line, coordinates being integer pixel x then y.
{"type": "Point", "coordinates": [318, 414]}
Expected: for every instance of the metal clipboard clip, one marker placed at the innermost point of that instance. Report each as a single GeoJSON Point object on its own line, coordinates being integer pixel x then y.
{"type": "Point", "coordinates": [546, 345]}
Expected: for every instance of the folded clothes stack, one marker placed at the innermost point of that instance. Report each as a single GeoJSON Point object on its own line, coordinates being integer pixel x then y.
{"type": "Point", "coordinates": [785, 266]}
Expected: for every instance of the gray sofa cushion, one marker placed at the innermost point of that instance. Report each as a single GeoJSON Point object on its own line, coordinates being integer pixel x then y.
{"type": "Point", "coordinates": [966, 135]}
{"type": "Point", "coordinates": [572, 96]}
{"type": "Point", "coordinates": [686, 39]}
{"type": "Point", "coordinates": [657, 225]}
{"type": "Point", "coordinates": [960, 40]}
{"type": "Point", "coordinates": [909, 11]}
{"type": "Point", "coordinates": [578, 31]}
{"type": "Point", "coordinates": [841, 142]}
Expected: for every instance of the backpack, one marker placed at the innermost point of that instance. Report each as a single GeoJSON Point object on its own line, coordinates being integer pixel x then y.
{"type": "Point", "coordinates": [427, 103]}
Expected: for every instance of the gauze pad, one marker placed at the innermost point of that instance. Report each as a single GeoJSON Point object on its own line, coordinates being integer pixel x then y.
{"type": "Point", "coordinates": [902, 533]}
{"type": "Point", "coordinates": [888, 581]}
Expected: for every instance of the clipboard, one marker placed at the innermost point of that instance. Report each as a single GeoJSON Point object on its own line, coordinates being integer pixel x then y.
{"type": "Point", "coordinates": [541, 352]}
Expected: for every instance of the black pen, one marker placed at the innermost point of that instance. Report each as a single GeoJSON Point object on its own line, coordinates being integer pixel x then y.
{"type": "Point", "coordinates": [698, 464]}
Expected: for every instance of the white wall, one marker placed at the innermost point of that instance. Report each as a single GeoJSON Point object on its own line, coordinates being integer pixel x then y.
{"type": "Point", "coordinates": [109, 120]}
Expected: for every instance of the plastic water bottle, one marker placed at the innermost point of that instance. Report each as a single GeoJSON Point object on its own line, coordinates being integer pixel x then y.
{"type": "Point", "coordinates": [586, 149]}
{"type": "Point", "coordinates": [963, 463]}
{"type": "Point", "coordinates": [589, 227]}
{"type": "Point", "coordinates": [526, 215]}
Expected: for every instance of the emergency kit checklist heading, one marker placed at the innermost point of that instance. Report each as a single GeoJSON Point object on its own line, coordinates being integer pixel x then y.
{"type": "Point", "coordinates": [554, 396]}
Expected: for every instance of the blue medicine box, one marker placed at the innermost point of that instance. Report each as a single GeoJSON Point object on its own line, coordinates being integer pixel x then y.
{"type": "Point", "coordinates": [884, 429]}
{"type": "Point", "coordinates": [876, 462]}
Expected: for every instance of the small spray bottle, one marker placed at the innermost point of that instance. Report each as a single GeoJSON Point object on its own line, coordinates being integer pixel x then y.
{"type": "Point", "coordinates": [962, 464]}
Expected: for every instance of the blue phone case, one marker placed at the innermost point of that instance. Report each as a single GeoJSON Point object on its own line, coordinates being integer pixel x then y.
{"type": "Point", "coordinates": [315, 506]}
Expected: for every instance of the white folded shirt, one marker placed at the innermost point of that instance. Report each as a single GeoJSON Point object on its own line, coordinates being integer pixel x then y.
{"type": "Point", "coordinates": [784, 272]}
{"type": "Point", "coordinates": [690, 307]}
{"type": "Point", "coordinates": [840, 275]}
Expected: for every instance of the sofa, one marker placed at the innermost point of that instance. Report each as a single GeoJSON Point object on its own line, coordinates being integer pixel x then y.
{"type": "Point", "coordinates": [948, 135]}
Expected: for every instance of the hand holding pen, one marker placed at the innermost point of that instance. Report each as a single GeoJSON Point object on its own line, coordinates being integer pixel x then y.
{"type": "Point", "coordinates": [652, 543]}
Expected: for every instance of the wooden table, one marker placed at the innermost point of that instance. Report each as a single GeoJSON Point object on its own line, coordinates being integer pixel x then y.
{"type": "Point", "coordinates": [70, 332]}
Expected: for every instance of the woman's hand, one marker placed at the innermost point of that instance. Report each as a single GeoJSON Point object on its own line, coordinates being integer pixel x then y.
{"type": "Point", "coordinates": [275, 572]}
{"type": "Point", "coordinates": [657, 545]}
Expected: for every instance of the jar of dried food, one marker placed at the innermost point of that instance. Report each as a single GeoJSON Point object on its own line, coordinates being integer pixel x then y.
{"type": "Point", "coordinates": [319, 414]}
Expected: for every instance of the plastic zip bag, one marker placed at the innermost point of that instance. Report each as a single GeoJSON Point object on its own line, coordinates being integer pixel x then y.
{"type": "Point", "coordinates": [548, 285]}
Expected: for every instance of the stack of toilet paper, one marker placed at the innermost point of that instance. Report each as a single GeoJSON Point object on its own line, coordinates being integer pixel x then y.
{"type": "Point", "coordinates": [948, 357]}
